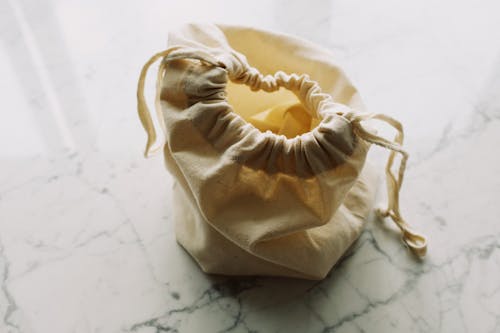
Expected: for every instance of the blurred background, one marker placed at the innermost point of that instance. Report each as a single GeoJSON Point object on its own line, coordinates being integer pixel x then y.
{"type": "Point", "coordinates": [86, 241]}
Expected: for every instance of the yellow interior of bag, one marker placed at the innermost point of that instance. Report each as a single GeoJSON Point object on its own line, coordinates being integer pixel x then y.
{"type": "Point", "coordinates": [279, 112]}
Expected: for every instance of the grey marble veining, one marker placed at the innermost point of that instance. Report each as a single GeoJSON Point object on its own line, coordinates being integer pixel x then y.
{"type": "Point", "coordinates": [86, 240]}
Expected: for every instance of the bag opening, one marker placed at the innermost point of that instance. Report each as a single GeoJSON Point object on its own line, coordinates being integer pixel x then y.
{"type": "Point", "coordinates": [280, 111]}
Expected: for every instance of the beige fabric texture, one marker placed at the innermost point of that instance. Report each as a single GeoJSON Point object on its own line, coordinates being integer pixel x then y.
{"type": "Point", "coordinates": [264, 138]}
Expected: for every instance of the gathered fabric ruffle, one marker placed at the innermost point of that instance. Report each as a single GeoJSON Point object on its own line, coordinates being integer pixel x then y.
{"type": "Point", "coordinates": [201, 89]}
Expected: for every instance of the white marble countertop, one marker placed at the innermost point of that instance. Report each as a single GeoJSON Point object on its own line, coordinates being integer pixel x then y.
{"type": "Point", "coordinates": [86, 240]}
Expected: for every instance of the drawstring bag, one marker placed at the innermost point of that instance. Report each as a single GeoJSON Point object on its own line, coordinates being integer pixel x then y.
{"type": "Point", "coordinates": [267, 141]}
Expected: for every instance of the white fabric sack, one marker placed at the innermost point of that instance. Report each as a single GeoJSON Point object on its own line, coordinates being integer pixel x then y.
{"type": "Point", "coordinates": [263, 135]}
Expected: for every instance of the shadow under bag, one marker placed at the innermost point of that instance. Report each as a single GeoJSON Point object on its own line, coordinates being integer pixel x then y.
{"type": "Point", "coordinates": [264, 136]}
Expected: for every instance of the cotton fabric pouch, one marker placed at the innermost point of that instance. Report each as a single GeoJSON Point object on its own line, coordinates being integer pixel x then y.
{"type": "Point", "coordinates": [264, 137]}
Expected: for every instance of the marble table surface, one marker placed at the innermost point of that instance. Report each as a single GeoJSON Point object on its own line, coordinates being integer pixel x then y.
{"type": "Point", "coordinates": [86, 238]}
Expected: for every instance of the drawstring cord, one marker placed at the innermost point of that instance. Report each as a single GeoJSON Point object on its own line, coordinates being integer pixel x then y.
{"type": "Point", "coordinates": [416, 242]}
{"type": "Point", "coordinates": [142, 107]}
{"type": "Point", "coordinates": [173, 53]}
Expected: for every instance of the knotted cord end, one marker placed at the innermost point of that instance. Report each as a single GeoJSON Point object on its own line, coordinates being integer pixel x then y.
{"type": "Point", "coordinates": [416, 242]}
